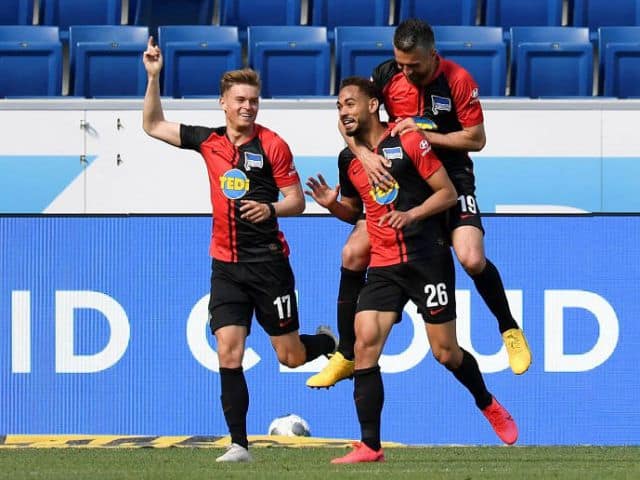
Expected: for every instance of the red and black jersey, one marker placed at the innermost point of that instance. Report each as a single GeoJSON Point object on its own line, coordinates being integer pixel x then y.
{"type": "Point", "coordinates": [255, 170]}
{"type": "Point", "coordinates": [412, 162]}
{"type": "Point", "coordinates": [450, 99]}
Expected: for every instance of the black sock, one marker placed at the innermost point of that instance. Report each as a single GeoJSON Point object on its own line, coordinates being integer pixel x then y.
{"type": "Point", "coordinates": [316, 345]}
{"type": "Point", "coordinates": [468, 374]}
{"type": "Point", "coordinates": [490, 287]}
{"type": "Point", "coordinates": [351, 282]}
{"type": "Point", "coordinates": [368, 393]}
{"type": "Point", "coordinates": [235, 403]}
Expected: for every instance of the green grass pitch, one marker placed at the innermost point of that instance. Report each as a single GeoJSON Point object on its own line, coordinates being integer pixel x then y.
{"type": "Point", "coordinates": [461, 463]}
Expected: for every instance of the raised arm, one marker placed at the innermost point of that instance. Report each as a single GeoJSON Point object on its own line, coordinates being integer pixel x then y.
{"type": "Point", "coordinates": [153, 121]}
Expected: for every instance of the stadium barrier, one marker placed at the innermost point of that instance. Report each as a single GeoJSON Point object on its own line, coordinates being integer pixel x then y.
{"type": "Point", "coordinates": [91, 156]}
{"type": "Point", "coordinates": [103, 331]}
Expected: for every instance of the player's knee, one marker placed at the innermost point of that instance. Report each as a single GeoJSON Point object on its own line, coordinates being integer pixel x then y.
{"type": "Point", "coordinates": [447, 356]}
{"type": "Point", "coordinates": [472, 261]}
{"type": "Point", "coordinates": [364, 355]}
{"type": "Point", "coordinates": [228, 356]}
{"type": "Point", "coordinates": [355, 255]}
{"type": "Point", "coordinates": [291, 358]}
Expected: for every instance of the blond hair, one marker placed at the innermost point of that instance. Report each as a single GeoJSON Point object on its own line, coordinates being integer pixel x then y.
{"type": "Point", "coordinates": [244, 76]}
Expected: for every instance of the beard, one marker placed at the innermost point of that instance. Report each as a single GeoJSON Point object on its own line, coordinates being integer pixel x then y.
{"type": "Point", "coordinates": [357, 131]}
{"type": "Point", "coordinates": [417, 78]}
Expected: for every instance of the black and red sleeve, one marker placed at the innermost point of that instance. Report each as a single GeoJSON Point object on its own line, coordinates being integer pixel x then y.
{"type": "Point", "coordinates": [421, 154]}
{"type": "Point", "coordinates": [347, 189]}
{"type": "Point", "coordinates": [466, 98]}
{"type": "Point", "coordinates": [282, 165]}
{"type": "Point", "coordinates": [192, 137]}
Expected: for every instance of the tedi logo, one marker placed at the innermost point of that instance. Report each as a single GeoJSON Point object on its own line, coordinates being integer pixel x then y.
{"type": "Point", "coordinates": [234, 184]}
{"type": "Point", "coordinates": [385, 196]}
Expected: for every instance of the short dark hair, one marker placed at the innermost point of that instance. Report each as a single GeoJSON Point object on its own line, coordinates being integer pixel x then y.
{"type": "Point", "coordinates": [413, 33]}
{"type": "Point", "coordinates": [245, 76]}
{"type": "Point", "coordinates": [364, 84]}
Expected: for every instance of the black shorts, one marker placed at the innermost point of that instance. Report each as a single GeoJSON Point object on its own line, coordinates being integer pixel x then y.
{"type": "Point", "coordinates": [430, 284]}
{"type": "Point", "coordinates": [466, 211]}
{"type": "Point", "coordinates": [237, 289]}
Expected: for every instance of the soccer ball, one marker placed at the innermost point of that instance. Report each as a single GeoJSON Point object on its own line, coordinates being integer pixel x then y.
{"type": "Point", "coordinates": [290, 425]}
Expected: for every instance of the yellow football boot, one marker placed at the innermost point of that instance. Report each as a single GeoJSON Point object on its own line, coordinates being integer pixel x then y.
{"type": "Point", "coordinates": [337, 369]}
{"type": "Point", "coordinates": [518, 350]}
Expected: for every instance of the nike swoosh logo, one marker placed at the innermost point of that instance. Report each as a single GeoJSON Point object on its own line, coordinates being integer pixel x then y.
{"type": "Point", "coordinates": [462, 217]}
{"type": "Point", "coordinates": [436, 311]}
{"type": "Point", "coordinates": [285, 323]}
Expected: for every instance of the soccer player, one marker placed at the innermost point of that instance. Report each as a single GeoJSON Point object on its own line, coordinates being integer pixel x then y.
{"type": "Point", "coordinates": [439, 99]}
{"type": "Point", "coordinates": [410, 259]}
{"type": "Point", "coordinates": [248, 166]}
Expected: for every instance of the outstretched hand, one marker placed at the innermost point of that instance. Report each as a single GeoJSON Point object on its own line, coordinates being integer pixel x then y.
{"type": "Point", "coordinates": [152, 58]}
{"type": "Point", "coordinates": [322, 193]}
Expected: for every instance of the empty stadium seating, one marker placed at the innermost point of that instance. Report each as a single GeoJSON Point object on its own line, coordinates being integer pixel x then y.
{"type": "Point", "coordinates": [480, 50]}
{"type": "Point", "coordinates": [520, 13]}
{"type": "Point", "coordinates": [359, 49]}
{"type": "Point", "coordinates": [105, 61]}
{"type": "Point", "coordinates": [154, 13]}
{"type": "Point", "coordinates": [619, 52]}
{"type": "Point", "coordinates": [605, 13]}
{"type": "Point", "coordinates": [30, 61]}
{"type": "Point", "coordinates": [332, 13]}
{"type": "Point", "coordinates": [16, 12]}
{"type": "Point", "coordinates": [196, 56]}
{"type": "Point", "coordinates": [245, 13]}
{"type": "Point", "coordinates": [551, 61]}
{"type": "Point", "coordinates": [131, 14]}
{"type": "Point", "coordinates": [292, 61]}
{"type": "Point", "coordinates": [64, 13]}
{"type": "Point", "coordinates": [439, 12]}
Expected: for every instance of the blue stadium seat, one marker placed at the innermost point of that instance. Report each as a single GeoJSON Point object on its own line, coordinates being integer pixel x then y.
{"type": "Point", "coordinates": [154, 13]}
{"type": "Point", "coordinates": [30, 61]}
{"type": "Point", "coordinates": [480, 50]}
{"type": "Point", "coordinates": [292, 61]}
{"type": "Point", "coordinates": [106, 61]}
{"type": "Point", "coordinates": [439, 12]}
{"type": "Point", "coordinates": [245, 13]}
{"type": "Point", "coordinates": [619, 52]}
{"type": "Point", "coordinates": [551, 61]}
{"type": "Point", "coordinates": [360, 49]}
{"type": "Point", "coordinates": [16, 12]}
{"type": "Point", "coordinates": [332, 13]}
{"type": "Point", "coordinates": [605, 13]}
{"type": "Point", "coordinates": [65, 13]}
{"type": "Point", "coordinates": [523, 13]}
{"type": "Point", "coordinates": [195, 57]}
{"type": "Point", "coordinates": [131, 14]}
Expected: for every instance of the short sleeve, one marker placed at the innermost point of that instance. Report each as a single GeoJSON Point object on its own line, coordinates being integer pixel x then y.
{"type": "Point", "coordinates": [282, 165]}
{"type": "Point", "coordinates": [466, 98]}
{"type": "Point", "coordinates": [421, 154]}
{"type": "Point", "coordinates": [192, 137]}
{"type": "Point", "coordinates": [347, 189]}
